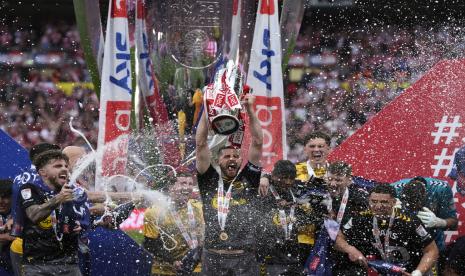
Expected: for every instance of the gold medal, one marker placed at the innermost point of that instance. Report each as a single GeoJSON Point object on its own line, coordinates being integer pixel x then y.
{"type": "Point", "coordinates": [223, 236]}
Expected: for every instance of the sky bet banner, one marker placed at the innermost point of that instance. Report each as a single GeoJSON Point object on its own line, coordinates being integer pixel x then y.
{"type": "Point", "coordinates": [148, 85]}
{"type": "Point", "coordinates": [115, 94]}
{"type": "Point", "coordinates": [265, 78]}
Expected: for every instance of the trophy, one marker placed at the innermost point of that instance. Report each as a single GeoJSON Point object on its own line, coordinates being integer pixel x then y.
{"type": "Point", "coordinates": [186, 47]}
{"type": "Point", "coordinates": [222, 100]}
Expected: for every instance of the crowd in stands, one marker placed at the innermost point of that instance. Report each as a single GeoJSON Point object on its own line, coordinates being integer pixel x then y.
{"type": "Point", "coordinates": [34, 64]}
{"type": "Point", "coordinates": [347, 76]}
{"type": "Point", "coordinates": [336, 81]}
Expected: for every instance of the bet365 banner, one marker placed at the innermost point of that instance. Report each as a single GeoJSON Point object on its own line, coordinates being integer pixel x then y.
{"type": "Point", "coordinates": [265, 78]}
{"type": "Point", "coordinates": [417, 134]}
{"type": "Point", "coordinates": [115, 94]}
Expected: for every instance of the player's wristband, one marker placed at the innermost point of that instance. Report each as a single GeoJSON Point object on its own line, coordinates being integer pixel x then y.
{"type": "Point", "coordinates": [416, 273]}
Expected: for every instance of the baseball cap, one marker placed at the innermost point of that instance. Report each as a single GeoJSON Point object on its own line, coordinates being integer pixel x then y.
{"type": "Point", "coordinates": [459, 163]}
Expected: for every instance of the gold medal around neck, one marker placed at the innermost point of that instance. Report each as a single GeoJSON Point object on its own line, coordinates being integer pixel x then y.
{"type": "Point", "coordinates": [224, 236]}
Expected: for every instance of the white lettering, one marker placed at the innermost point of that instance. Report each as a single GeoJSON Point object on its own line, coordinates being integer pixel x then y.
{"type": "Point", "coordinates": [267, 138]}
{"type": "Point", "coordinates": [268, 116]}
{"type": "Point", "coordinates": [119, 119]}
{"type": "Point", "coordinates": [265, 121]}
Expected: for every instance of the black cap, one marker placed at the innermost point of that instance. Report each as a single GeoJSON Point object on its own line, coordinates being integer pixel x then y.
{"type": "Point", "coordinates": [41, 147]}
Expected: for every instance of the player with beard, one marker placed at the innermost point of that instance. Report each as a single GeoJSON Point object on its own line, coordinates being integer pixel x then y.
{"type": "Point", "coordinates": [311, 173]}
{"type": "Point", "coordinates": [182, 222]}
{"type": "Point", "coordinates": [16, 248]}
{"type": "Point", "coordinates": [286, 214]}
{"type": "Point", "coordinates": [47, 250]}
{"type": "Point", "coordinates": [388, 235]}
{"type": "Point", "coordinates": [347, 200]}
{"type": "Point", "coordinates": [228, 193]}
{"type": "Point", "coordinates": [341, 189]}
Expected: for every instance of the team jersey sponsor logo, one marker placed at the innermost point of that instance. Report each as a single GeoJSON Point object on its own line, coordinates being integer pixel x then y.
{"type": "Point", "coordinates": [26, 193]}
{"type": "Point", "coordinates": [404, 218]}
{"type": "Point", "coordinates": [277, 222]}
{"type": "Point", "coordinates": [234, 202]}
{"type": "Point", "coordinates": [46, 223]}
{"type": "Point", "coordinates": [392, 235]}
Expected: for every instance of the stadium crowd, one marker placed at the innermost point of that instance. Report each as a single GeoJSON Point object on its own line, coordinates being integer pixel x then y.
{"type": "Point", "coordinates": [34, 107]}
{"type": "Point", "coordinates": [309, 215]}
{"type": "Point", "coordinates": [337, 80]}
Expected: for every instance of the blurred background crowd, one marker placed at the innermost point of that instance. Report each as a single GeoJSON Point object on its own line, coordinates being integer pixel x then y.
{"type": "Point", "coordinates": [336, 80]}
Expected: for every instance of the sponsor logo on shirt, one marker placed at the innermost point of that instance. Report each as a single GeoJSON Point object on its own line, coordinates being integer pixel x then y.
{"type": "Point", "coordinates": [234, 202]}
{"type": "Point", "coordinates": [46, 223]}
{"type": "Point", "coordinates": [392, 235]}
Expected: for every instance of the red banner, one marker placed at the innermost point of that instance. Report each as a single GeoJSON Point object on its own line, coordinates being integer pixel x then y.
{"type": "Point", "coordinates": [148, 85]}
{"type": "Point", "coordinates": [119, 9]}
{"type": "Point", "coordinates": [417, 134]}
{"type": "Point", "coordinates": [265, 78]}
{"type": "Point", "coordinates": [269, 114]}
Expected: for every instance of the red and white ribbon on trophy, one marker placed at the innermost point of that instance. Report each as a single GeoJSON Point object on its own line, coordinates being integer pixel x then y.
{"type": "Point", "coordinates": [222, 101]}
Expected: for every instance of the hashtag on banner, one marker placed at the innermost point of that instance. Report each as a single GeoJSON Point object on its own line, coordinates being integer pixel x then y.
{"type": "Point", "coordinates": [441, 165]}
{"type": "Point", "coordinates": [446, 129]}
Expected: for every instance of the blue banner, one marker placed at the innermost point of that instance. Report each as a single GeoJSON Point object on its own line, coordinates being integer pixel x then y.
{"type": "Point", "coordinates": [14, 159]}
{"type": "Point", "coordinates": [115, 253]}
{"type": "Point", "coordinates": [319, 262]}
{"type": "Point", "coordinates": [112, 251]}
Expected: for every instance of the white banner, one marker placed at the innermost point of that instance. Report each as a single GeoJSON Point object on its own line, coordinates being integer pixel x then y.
{"type": "Point", "coordinates": [266, 80]}
{"type": "Point", "coordinates": [115, 94]}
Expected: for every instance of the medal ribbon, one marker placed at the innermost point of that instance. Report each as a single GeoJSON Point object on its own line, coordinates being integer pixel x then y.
{"type": "Point", "coordinates": [223, 201]}
{"type": "Point", "coordinates": [376, 233]}
{"type": "Point", "coordinates": [191, 238]}
{"type": "Point", "coordinates": [342, 207]}
{"type": "Point", "coordinates": [53, 217]}
{"type": "Point", "coordinates": [287, 227]}
{"type": "Point", "coordinates": [310, 171]}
